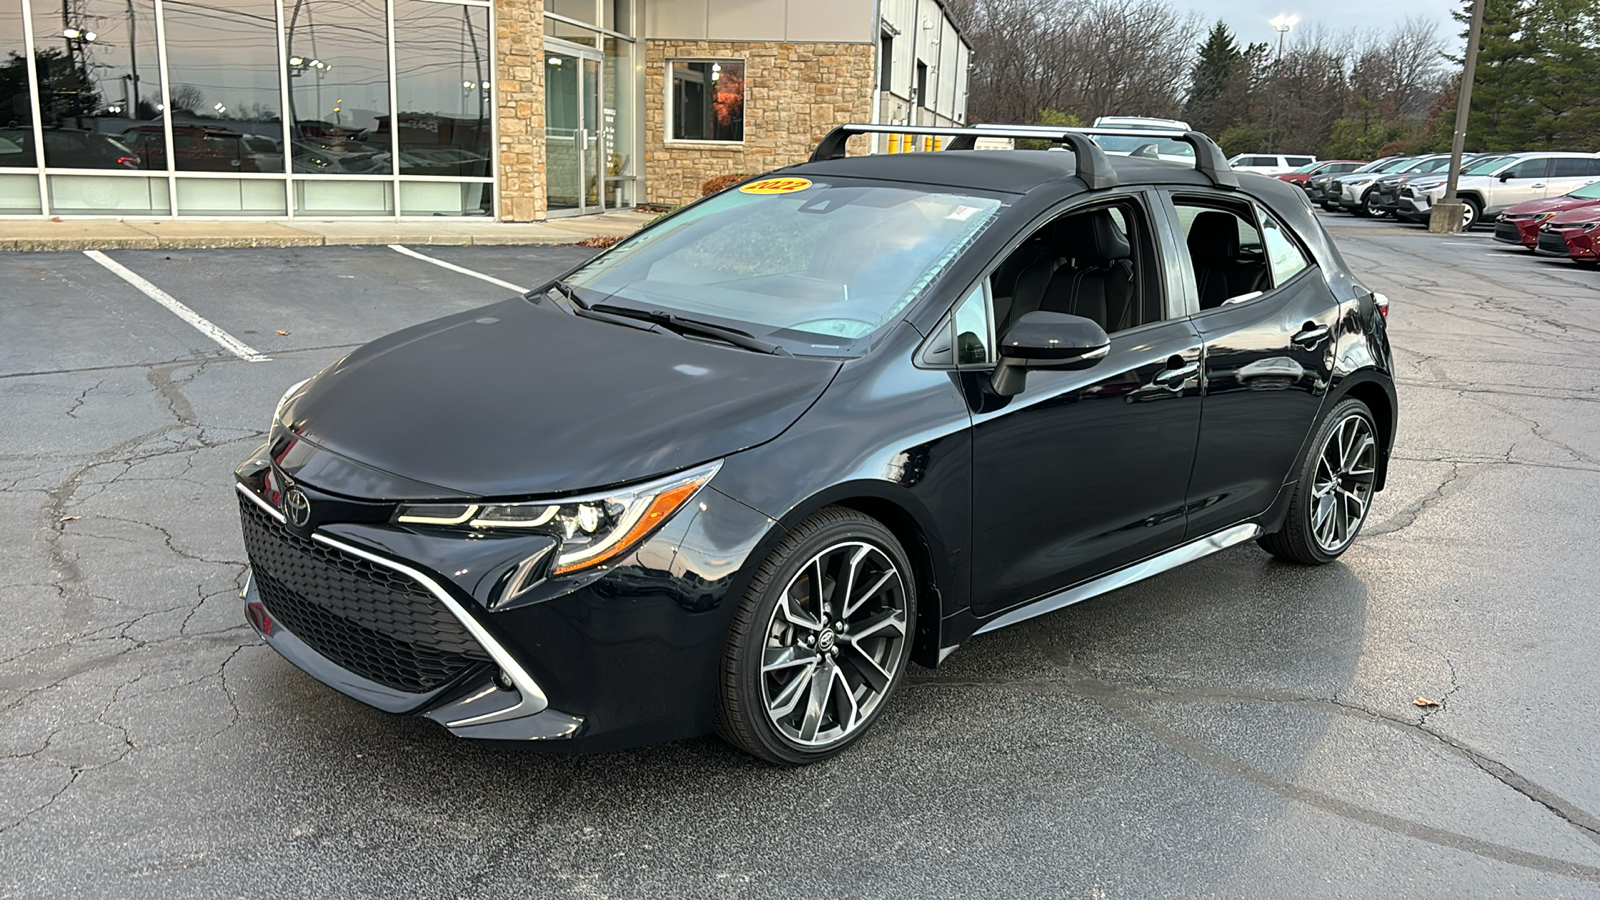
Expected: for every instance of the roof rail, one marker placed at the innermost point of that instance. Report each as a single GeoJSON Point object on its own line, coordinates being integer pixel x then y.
{"type": "Point", "coordinates": [1094, 167]}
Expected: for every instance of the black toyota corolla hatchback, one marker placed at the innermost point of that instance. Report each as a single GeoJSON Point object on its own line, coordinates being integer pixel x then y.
{"type": "Point", "coordinates": [740, 470]}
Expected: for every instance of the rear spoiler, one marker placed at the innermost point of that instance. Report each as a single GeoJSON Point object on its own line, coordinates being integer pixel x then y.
{"type": "Point", "coordinates": [1094, 167]}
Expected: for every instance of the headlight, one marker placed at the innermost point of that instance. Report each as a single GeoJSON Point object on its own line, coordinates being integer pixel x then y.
{"type": "Point", "coordinates": [1590, 227]}
{"type": "Point", "coordinates": [590, 530]}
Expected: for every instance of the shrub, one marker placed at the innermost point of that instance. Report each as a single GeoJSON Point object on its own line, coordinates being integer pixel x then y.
{"type": "Point", "coordinates": [721, 182]}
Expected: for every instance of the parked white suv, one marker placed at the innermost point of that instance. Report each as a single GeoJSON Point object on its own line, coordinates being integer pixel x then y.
{"type": "Point", "coordinates": [1487, 187]}
{"type": "Point", "coordinates": [1269, 164]}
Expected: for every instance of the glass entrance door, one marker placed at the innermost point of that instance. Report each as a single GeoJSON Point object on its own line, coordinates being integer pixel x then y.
{"type": "Point", "coordinates": [574, 147]}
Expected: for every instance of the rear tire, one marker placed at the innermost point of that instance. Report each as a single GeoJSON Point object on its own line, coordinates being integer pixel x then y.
{"type": "Point", "coordinates": [1334, 492]}
{"type": "Point", "coordinates": [820, 642]}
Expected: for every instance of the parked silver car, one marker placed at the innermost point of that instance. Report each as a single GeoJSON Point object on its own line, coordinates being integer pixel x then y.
{"type": "Point", "coordinates": [1491, 185]}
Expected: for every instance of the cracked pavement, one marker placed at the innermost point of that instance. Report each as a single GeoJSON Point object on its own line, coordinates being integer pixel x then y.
{"type": "Point", "coordinates": [1235, 728]}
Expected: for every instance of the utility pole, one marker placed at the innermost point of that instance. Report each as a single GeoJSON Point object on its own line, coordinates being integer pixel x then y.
{"type": "Point", "coordinates": [1448, 214]}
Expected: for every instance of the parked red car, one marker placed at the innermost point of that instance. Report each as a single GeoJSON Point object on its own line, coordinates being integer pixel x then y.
{"type": "Point", "coordinates": [1325, 167]}
{"type": "Point", "coordinates": [1574, 234]}
{"type": "Point", "coordinates": [1520, 224]}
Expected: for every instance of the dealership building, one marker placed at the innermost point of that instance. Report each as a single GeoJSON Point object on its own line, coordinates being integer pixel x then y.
{"type": "Point", "coordinates": [513, 109]}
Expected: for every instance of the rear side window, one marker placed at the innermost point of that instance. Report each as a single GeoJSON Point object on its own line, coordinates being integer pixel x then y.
{"type": "Point", "coordinates": [1284, 257]}
{"type": "Point", "coordinates": [1300, 160]}
{"type": "Point", "coordinates": [1575, 167]}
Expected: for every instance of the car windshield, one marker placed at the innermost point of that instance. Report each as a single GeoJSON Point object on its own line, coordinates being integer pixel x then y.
{"type": "Point", "coordinates": [1587, 192]}
{"type": "Point", "coordinates": [1150, 146]}
{"type": "Point", "coordinates": [1397, 165]}
{"type": "Point", "coordinates": [1306, 168]}
{"type": "Point", "coordinates": [1485, 166]}
{"type": "Point", "coordinates": [812, 266]}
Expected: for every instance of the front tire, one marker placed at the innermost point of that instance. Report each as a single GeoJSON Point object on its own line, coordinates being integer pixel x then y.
{"type": "Point", "coordinates": [1334, 493]}
{"type": "Point", "coordinates": [1471, 212]}
{"type": "Point", "coordinates": [820, 641]}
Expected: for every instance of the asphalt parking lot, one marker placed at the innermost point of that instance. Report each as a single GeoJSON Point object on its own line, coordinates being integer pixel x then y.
{"type": "Point", "coordinates": [1235, 728]}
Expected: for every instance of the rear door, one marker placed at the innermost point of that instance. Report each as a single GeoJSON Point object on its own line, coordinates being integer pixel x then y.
{"type": "Point", "coordinates": [1267, 363]}
{"type": "Point", "coordinates": [1568, 173]}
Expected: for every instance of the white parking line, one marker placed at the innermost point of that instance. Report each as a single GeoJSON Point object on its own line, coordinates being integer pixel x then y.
{"type": "Point", "coordinates": [201, 323]}
{"type": "Point", "coordinates": [455, 268]}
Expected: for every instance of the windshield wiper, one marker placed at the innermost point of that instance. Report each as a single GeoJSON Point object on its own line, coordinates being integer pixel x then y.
{"type": "Point", "coordinates": [568, 294]}
{"type": "Point", "coordinates": [683, 325]}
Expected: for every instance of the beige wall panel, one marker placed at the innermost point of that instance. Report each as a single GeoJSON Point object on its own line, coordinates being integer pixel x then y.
{"type": "Point", "coordinates": [831, 20]}
{"type": "Point", "coordinates": [748, 20]}
{"type": "Point", "coordinates": [681, 19]}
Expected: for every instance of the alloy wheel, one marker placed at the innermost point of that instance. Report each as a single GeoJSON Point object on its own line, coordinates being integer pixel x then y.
{"type": "Point", "coordinates": [835, 640]}
{"type": "Point", "coordinates": [1341, 489]}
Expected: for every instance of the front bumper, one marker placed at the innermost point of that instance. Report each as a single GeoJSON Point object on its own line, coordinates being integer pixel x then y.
{"type": "Point", "coordinates": [1522, 232]}
{"type": "Point", "coordinates": [1420, 204]}
{"type": "Point", "coordinates": [1574, 243]}
{"type": "Point", "coordinates": [409, 620]}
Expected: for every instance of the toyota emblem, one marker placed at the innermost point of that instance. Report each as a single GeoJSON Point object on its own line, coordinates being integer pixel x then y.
{"type": "Point", "coordinates": [297, 507]}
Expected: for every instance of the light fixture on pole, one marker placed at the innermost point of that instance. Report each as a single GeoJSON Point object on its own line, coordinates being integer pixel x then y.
{"type": "Point", "coordinates": [1281, 23]}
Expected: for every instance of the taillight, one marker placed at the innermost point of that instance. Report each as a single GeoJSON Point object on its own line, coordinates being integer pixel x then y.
{"type": "Point", "coordinates": [131, 162]}
{"type": "Point", "coordinates": [1382, 302]}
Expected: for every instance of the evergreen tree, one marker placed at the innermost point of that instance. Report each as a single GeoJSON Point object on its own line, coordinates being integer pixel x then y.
{"type": "Point", "coordinates": [1206, 110]}
{"type": "Point", "coordinates": [1502, 116]}
{"type": "Point", "coordinates": [1563, 37]}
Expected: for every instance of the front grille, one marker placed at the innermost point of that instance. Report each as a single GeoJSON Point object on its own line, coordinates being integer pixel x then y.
{"type": "Point", "coordinates": [1553, 242]}
{"type": "Point", "coordinates": [374, 621]}
{"type": "Point", "coordinates": [1508, 231]}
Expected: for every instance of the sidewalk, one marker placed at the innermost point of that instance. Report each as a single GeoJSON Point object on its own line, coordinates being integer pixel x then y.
{"type": "Point", "coordinates": [173, 234]}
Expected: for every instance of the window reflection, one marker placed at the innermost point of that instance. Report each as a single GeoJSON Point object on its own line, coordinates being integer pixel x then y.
{"type": "Point", "coordinates": [98, 77]}
{"type": "Point", "coordinates": [16, 137]}
{"type": "Point", "coordinates": [444, 87]}
{"type": "Point", "coordinates": [338, 63]}
{"type": "Point", "coordinates": [222, 70]}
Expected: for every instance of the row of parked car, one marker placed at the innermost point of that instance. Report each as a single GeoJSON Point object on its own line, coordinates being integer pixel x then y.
{"type": "Point", "coordinates": [1547, 202]}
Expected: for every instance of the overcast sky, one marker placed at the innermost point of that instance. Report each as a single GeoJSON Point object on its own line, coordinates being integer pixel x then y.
{"type": "Point", "coordinates": [1248, 18]}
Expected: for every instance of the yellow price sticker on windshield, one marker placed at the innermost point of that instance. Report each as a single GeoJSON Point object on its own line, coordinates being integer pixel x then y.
{"type": "Point", "coordinates": [776, 186]}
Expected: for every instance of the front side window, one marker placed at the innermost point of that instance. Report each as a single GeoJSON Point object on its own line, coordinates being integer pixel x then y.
{"type": "Point", "coordinates": [1528, 168]}
{"type": "Point", "coordinates": [707, 100]}
{"type": "Point", "coordinates": [815, 267]}
{"type": "Point", "coordinates": [966, 336]}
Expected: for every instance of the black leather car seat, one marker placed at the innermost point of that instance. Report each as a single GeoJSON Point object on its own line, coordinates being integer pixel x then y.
{"type": "Point", "coordinates": [1219, 272]}
{"type": "Point", "coordinates": [1097, 284]}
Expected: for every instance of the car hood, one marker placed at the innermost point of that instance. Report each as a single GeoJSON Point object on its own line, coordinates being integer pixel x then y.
{"type": "Point", "coordinates": [1582, 215]}
{"type": "Point", "coordinates": [1554, 204]}
{"type": "Point", "coordinates": [518, 399]}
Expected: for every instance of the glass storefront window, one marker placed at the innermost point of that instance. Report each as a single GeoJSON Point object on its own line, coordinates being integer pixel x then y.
{"type": "Point", "coordinates": [16, 105]}
{"type": "Point", "coordinates": [102, 195]}
{"type": "Point", "coordinates": [338, 64]}
{"type": "Point", "coordinates": [445, 90]}
{"type": "Point", "coordinates": [581, 10]}
{"type": "Point", "coordinates": [99, 77]}
{"type": "Point", "coordinates": [617, 121]}
{"type": "Point", "coordinates": [231, 196]}
{"type": "Point", "coordinates": [707, 100]}
{"type": "Point", "coordinates": [226, 99]}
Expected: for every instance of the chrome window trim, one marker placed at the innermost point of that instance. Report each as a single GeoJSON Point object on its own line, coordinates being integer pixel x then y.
{"type": "Point", "coordinates": [533, 698]}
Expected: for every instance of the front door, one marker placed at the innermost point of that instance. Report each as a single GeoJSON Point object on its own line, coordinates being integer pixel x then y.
{"type": "Point", "coordinates": [574, 134]}
{"type": "Point", "coordinates": [1086, 471]}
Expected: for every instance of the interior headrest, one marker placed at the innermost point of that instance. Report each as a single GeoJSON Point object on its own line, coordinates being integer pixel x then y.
{"type": "Point", "coordinates": [1092, 235]}
{"type": "Point", "coordinates": [1214, 235]}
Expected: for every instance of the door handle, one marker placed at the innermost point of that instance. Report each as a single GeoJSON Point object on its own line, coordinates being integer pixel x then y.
{"type": "Point", "coordinates": [1173, 379]}
{"type": "Point", "coordinates": [1537, 185]}
{"type": "Point", "coordinates": [1311, 335]}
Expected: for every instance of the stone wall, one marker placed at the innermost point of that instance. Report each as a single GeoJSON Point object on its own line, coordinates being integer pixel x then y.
{"type": "Point", "coordinates": [519, 31]}
{"type": "Point", "coordinates": [794, 94]}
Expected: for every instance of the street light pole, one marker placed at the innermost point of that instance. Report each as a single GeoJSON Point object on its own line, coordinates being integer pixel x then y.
{"type": "Point", "coordinates": [1280, 23]}
{"type": "Point", "coordinates": [1448, 215]}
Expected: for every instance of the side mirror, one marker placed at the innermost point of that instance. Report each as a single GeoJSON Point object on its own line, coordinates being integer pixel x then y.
{"type": "Point", "coordinates": [1046, 340]}
{"type": "Point", "coordinates": [1505, 177]}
